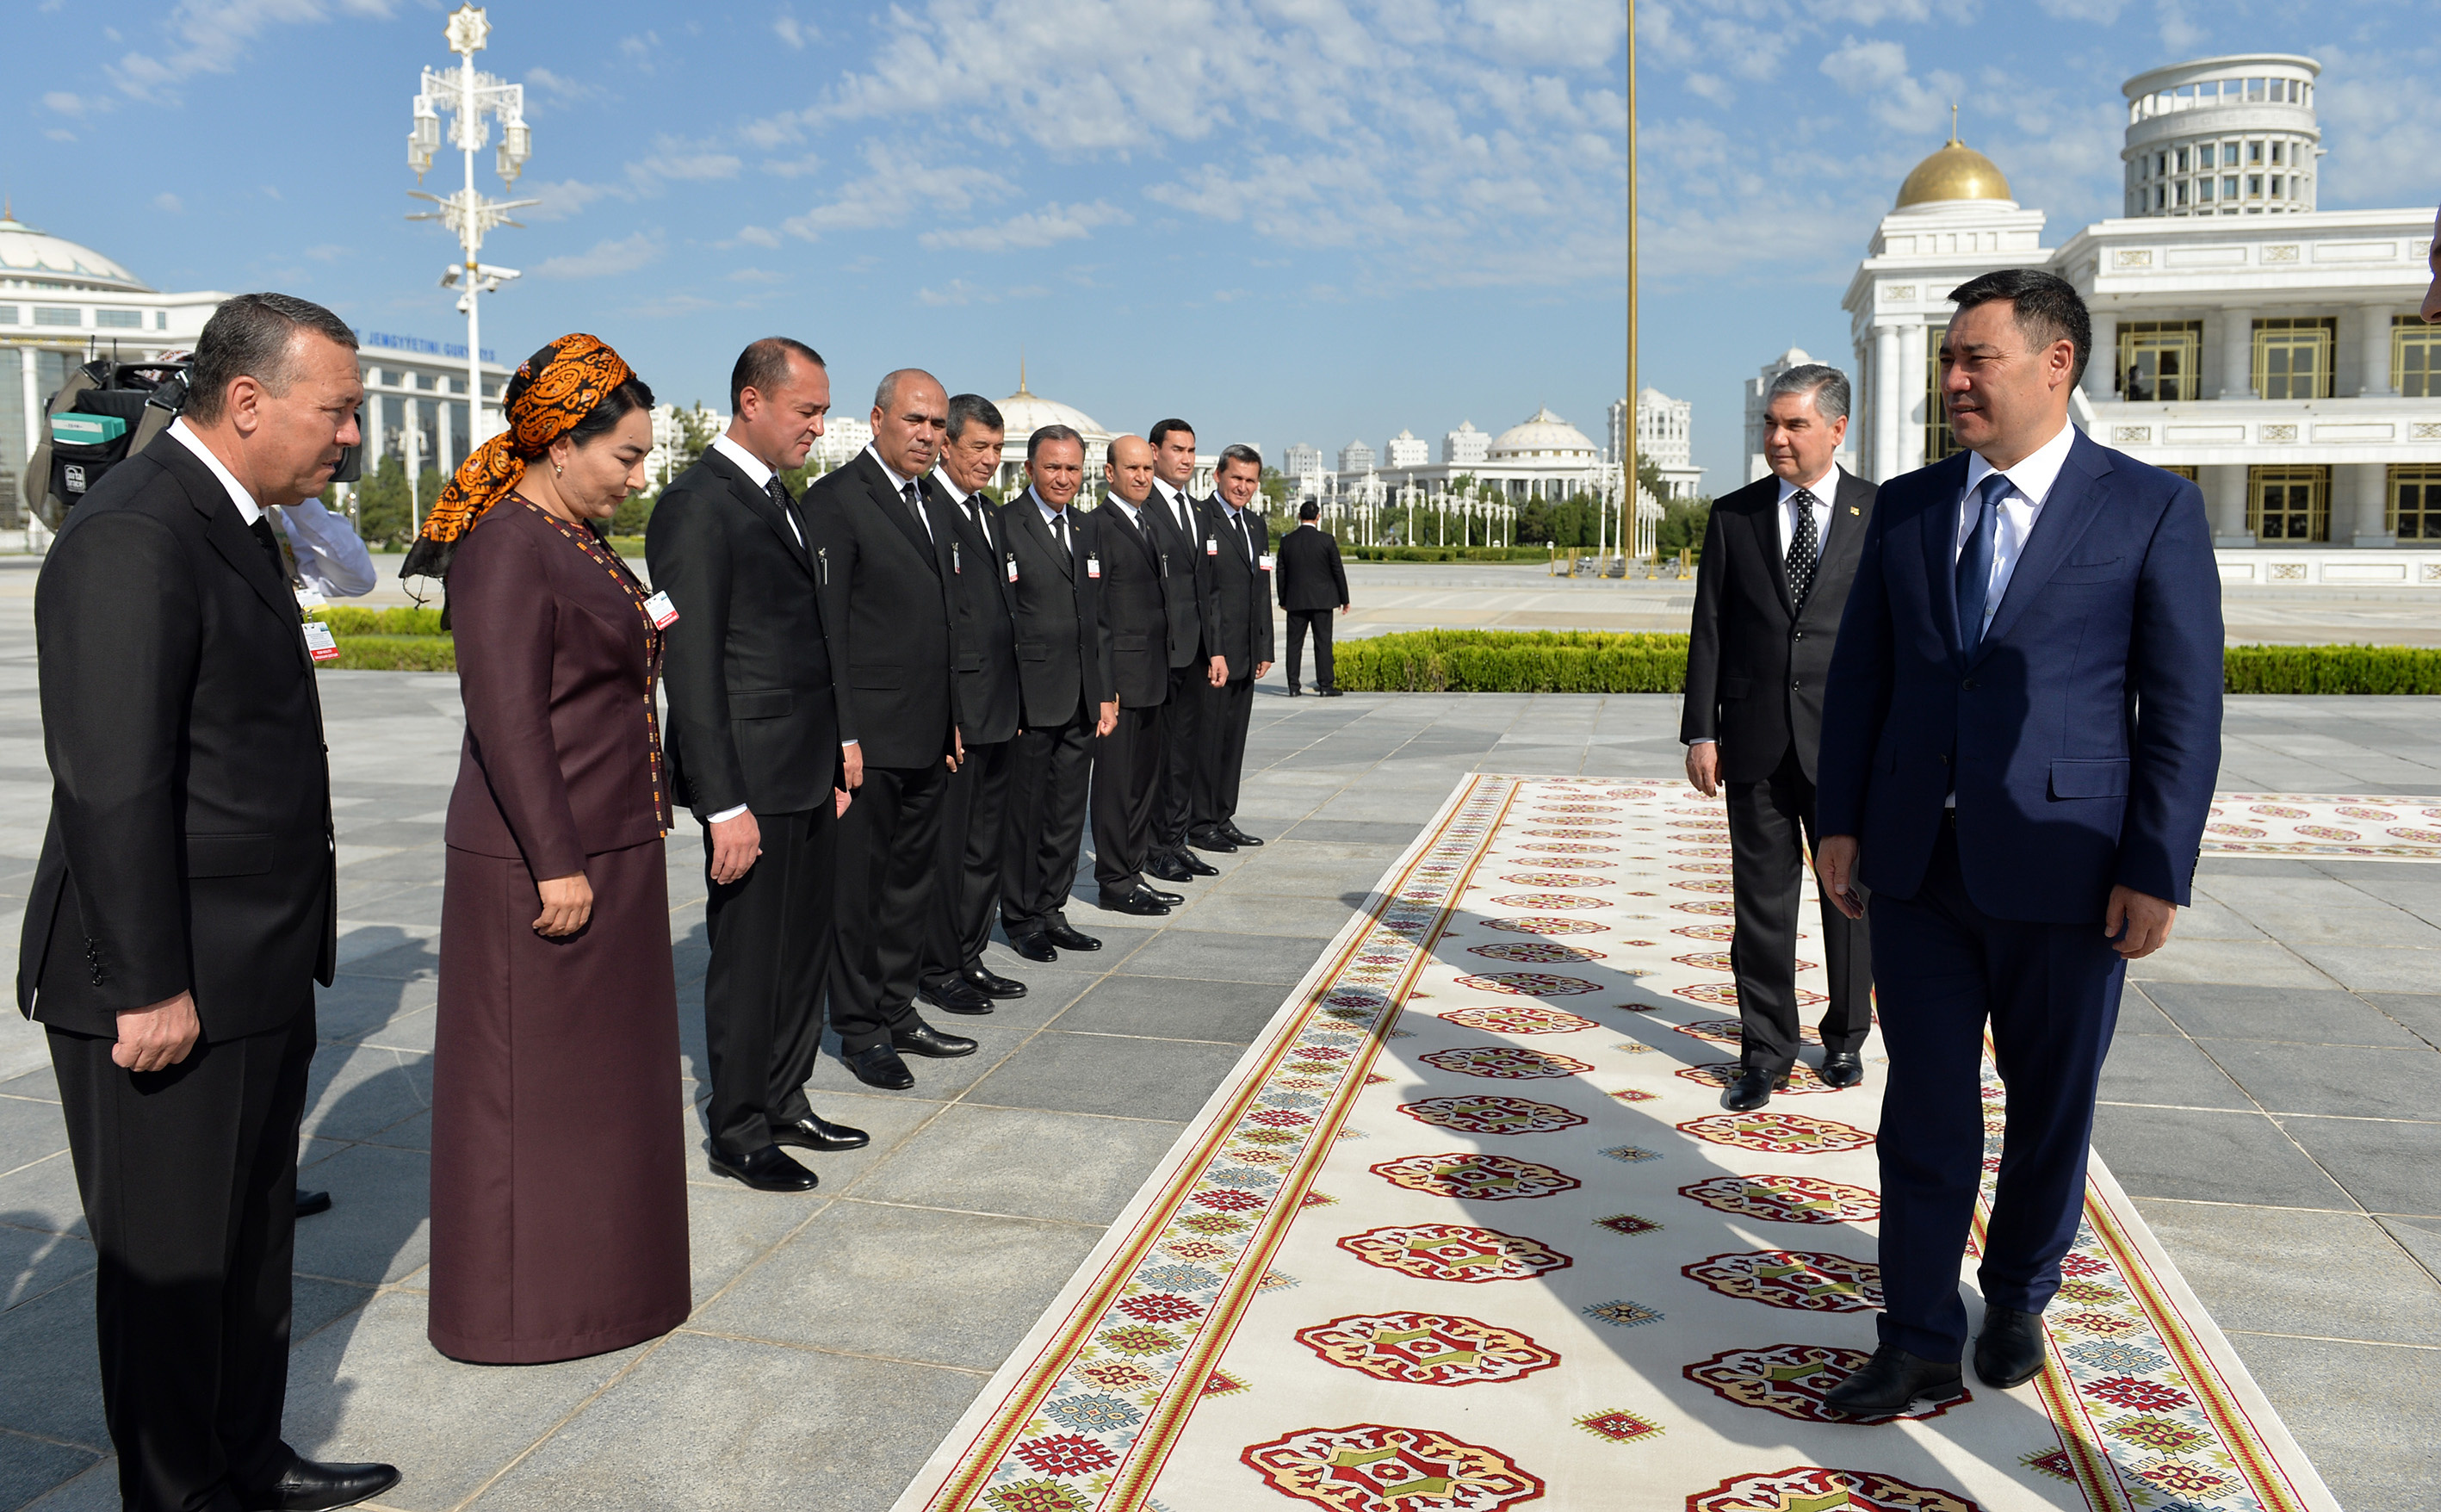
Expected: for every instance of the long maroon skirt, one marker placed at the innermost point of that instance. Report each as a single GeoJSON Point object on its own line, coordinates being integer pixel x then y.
{"type": "Point", "coordinates": [559, 1212]}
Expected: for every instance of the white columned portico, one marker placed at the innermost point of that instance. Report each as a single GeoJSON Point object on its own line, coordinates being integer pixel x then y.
{"type": "Point", "coordinates": [1885, 403]}
{"type": "Point", "coordinates": [2364, 484]}
{"type": "Point", "coordinates": [2376, 346]}
{"type": "Point", "coordinates": [33, 415]}
{"type": "Point", "coordinates": [1916, 397]}
{"type": "Point", "coordinates": [2224, 486]}
{"type": "Point", "coordinates": [2237, 354]}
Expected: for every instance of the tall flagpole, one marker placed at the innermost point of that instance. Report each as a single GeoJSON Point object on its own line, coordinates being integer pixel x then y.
{"type": "Point", "coordinates": [1628, 502]}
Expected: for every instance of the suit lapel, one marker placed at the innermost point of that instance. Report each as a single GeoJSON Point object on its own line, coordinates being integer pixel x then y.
{"type": "Point", "coordinates": [2067, 512]}
{"type": "Point", "coordinates": [1030, 520]}
{"type": "Point", "coordinates": [1141, 536]}
{"type": "Point", "coordinates": [229, 534]}
{"type": "Point", "coordinates": [1766, 522]}
{"type": "Point", "coordinates": [763, 507]}
{"type": "Point", "coordinates": [1937, 525]}
{"type": "Point", "coordinates": [894, 508]}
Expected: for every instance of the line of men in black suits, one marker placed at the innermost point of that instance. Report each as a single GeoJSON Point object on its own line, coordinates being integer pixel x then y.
{"type": "Point", "coordinates": [895, 703]}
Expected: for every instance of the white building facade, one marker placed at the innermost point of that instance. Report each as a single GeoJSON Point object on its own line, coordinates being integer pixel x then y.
{"type": "Point", "coordinates": [1664, 431]}
{"type": "Point", "coordinates": [2267, 349]}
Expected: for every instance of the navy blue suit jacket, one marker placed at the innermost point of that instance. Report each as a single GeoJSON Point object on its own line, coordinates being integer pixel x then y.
{"type": "Point", "coordinates": [2082, 735]}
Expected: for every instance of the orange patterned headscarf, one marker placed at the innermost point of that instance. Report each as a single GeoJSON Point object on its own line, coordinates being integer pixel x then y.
{"type": "Point", "coordinates": [580, 372]}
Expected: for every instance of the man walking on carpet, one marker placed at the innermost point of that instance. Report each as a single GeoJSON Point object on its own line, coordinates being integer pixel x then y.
{"type": "Point", "coordinates": [1778, 556]}
{"type": "Point", "coordinates": [2019, 748]}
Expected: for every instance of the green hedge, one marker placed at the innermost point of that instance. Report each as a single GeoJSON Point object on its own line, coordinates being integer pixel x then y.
{"type": "Point", "coordinates": [396, 654]}
{"type": "Point", "coordinates": [353, 621]}
{"type": "Point", "coordinates": [1512, 662]}
{"type": "Point", "coordinates": [1445, 553]}
{"type": "Point", "coordinates": [2331, 670]}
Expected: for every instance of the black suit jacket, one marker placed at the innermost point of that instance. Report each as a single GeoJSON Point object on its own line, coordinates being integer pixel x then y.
{"type": "Point", "coordinates": [984, 642]}
{"type": "Point", "coordinates": [755, 715]}
{"type": "Point", "coordinates": [189, 847]}
{"type": "Point", "coordinates": [1241, 628]}
{"type": "Point", "coordinates": [1059, 617]}
{"type": "Point", "coordinates": [902, 696]}
{"type": "Point", "coordinates": [1755, 670]}
{"type": "Point", "coordinates": [1134, 613]}
{"type": "Point", "coordinates": [1187, 585]}
{"type": "Point", "coordinates": [1311, 574]}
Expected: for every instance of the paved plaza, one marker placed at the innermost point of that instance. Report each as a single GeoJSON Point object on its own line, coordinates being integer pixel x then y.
{"type": "Point", "coordinates": [2273, 1101]}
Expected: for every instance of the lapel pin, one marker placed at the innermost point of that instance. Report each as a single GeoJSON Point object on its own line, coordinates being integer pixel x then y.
{"type": "Point", "coordinates": [1853, 509]}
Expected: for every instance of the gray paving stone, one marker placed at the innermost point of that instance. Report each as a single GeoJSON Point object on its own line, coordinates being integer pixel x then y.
{"type": "Point", "coordinates": [2349, 1407]}
{"type": "Point", "coordinates": [2324, 1017]}
{"type": "Point", "coordinates": [2371, 969]}
{"type": "Point", "coordinates": [1167, 1007]}
{"type": "Point", "coordinates": [30, 1129]}
{"type": "Point", "coordinates": [2388, 1166]}
{"type": "Point", "coordinates": [2341, 1079]}
{"type": "Point", "coordinates": [2244, 1158]}
{"type": "Point", "coordinates": [2172, 1071]}
{"type": "Point", "coordinates": [2420, 1238]}
{"type": "Point", "coordinates": [29, 1466]}
{"type": "Point", "coordinates": [992, 1159]}
{"type": "Point", "coordinates": [2263, 964]}
{"type": "Point", "coordinates": [909, 1284]}
{"type": "Point", "coordinates": [2328, 1274]}
{"type": "Point", "coordinates": [42, 1194]}
{"type": "Point", "coordinates": [34, 1261]}
{"type": "Point", "coordinates": [709, 1422]}
{"type": "Point", "coordinates": [356, 1094]}
{"type": "Point", "coordinates": [1214, 957]}
{"type": "Point", "coordinates": [1165, 1079]}
{"type": "Point", "coordinates": [352, 1005]}
{"type": "Point", "coordinates": [379, 1226]}
{"type": "Point", "coordinates": [54, 1371]}
{"type": "Point", "coordinates": [2419, 1012]}
{"type": "Point", "coordinates": [1315, 919]}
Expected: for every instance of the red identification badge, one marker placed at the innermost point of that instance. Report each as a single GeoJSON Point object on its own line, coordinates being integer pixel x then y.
{"type": "Point", "coordinates": [320, 642]}
{"type": "Point", "coordinates": [664, 614]}
{"type": "Point", "coordinates": [1093, 567]}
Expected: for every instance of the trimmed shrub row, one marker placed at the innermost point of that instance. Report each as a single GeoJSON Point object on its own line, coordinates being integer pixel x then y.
{"type": "Point", "coordinates": [2331, 670]}
{"type": "Point", "coordinates": [1444, 554]}
{"type": "Point", "coordinates": [396, 654]}
{"type": "Point", "coordinates": [355, 621]}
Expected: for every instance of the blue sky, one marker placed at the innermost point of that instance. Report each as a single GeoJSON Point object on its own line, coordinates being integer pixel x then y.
{"type": "Point", "coordinates": [1774, 135]}
{"type": "Point", "coordinates": [1286, 220]}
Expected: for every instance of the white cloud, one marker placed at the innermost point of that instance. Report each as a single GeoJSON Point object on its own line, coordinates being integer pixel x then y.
{"type": "Point", "coordinates": [567, 198]}
{"type": "Point", "coordinates": [893, 189]}
{"type": "Point", "coordinates": [1878, 70]}
{"type": "Point", "coordinates": [562, 89]}
{"type": "Point", "coordinates": [757, 276]}
{"type": "Point", "coordinates": [169, 204]}
{"type": "Point", "coordinates": [1053, 224]}
{"type": "Point", "coordinates": [793, 168]}
{"type": "Point", "coordinates": [674, 161]}
{"type": "Point", "coordinates": [2096, 13]}
{"type": "Point", "coordinates": [758, 236]}
{"type": "Point", "coordinates": [792, 31]}
{"type": "Point", "coordinates": [959, 291]}
{"type": "Point", "coordinates": [606, 258]}
{"type": "Point", "coordinates": [77, 106]}
{"type": "Point", "coordinates": [328, 252]}
{"type": "Point", "coordinates": [212, 36]}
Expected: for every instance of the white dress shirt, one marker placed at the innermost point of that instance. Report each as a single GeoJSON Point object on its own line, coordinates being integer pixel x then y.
{"type": "Point", "coordinates": [247, 510]}
{"type": "Point", "coordinates": [2030, 483]}
{"type": "Point", "coordinates": [1051, 519]}
{"type": "Point", "coordinates": [1823, 489]}
{"type": "Point", "coordinates": [1134, 511]}
{"type": "Point", "coordinates": [1175, 501]}
{"type": "Point", "coordinates": [331, 557]}
{"type": "Point", "coordinates": [757, 474]}
{"type": "Point", "coordinates": [899, 486]}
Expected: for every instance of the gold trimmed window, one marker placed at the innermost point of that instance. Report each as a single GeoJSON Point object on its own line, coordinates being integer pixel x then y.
{"type": "Point", "coordinates": [2288, 503]}
{"type": "Point", "coordinates": [2414, 495]}
{"type": "Point", "coordinates": [2185, 470]}
{"type": "Point", "coordinates": [1939, 440]}
{"type": "Point", "coordinates": [2292, 356]}
{"type": "Point", "coordinates": [2157, 359]}
{"type": "Point", "coordinates": [2414, 357]}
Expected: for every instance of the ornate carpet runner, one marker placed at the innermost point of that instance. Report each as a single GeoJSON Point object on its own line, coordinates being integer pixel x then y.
{"type": "Point", "coordinates": [1467, 1230]}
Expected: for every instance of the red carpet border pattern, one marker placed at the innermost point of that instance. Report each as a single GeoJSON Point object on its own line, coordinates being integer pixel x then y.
{"type": "Point", "coordinates": [1467, 1230]}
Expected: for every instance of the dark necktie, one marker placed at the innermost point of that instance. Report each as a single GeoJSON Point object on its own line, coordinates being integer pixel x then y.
{"type": "Point", "coordinates": [915, 508]}
{"type": "Point", "coordinates": [779, 492]}
{"type": "Point", "coordinates": [1804, 549]}
{"type": "Point", "coordinates": [270, 542]}
{"type": "Point", "coordinates": [1059, 532]}
{"type": "Point", "coordinates": [1975, 561]}
{"type": "Point", "coordinates": [1245, 541]}
{"type": "Point", "coordinates": [1186, 526]}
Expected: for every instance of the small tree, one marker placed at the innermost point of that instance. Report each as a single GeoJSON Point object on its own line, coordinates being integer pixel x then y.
{"type": "Point", "coordinates": [697, 428]}
{"type": "Point", "coordinates": [1682, 525]}
{"type": "Point", "coordinates": [382, 517]}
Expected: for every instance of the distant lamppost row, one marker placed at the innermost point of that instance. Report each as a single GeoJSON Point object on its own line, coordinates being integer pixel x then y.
{"type": "Point", "coordinates": [470, 95]}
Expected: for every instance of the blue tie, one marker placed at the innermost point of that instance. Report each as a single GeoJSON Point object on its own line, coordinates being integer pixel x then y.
{"type": "Point", "coordinates": [1975, 561]}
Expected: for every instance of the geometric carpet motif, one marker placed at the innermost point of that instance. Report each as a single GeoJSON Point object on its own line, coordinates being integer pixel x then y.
{"type": "Point", "coordinates": [1481, 1316]}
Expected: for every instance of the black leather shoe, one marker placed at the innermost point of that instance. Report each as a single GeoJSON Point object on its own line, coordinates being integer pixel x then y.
{"type": "Point", "coordinates": [1067, 939]}
{"type": "Point", "coordinates": [306, 1486]}
{"type": "Point", "coordinates": [1292, 690]}
{"type": "Point", "coordinates": [1843, 1071]}
{"type": "Point", "coordinates": [1327, 692]}
{"type": "Point", "coordinates": [768, 1169]}
{"type": "Point", "coordinates": [954, 996]}
{"type": "Point", "coordinates": [1893, 1380]}
{"type": "Point", "coordinates": [930, 1042]}
{"type": "Point", "coordinates": [814, 1133]}
{"type": "Point", "coordinates": [1237, 837]}
{"type": "Point", "coordinates": [880, 1066]}
{"type": "Point", "coordinates": [990, 983]}
{"type": "Point", "coordinates": [1034, 946]}
{"type": "Point", "coordinates": [1140, 901]}
{"type": "Point", "coordinates": [1168, 867]}
{"type": "Point", "coordinates": [2009, 1351]}
{"type": "Point", "coordinates": [1172, 899]}
{"type": "Point", "coordinates": [1205, 838]}
{"type": "Point", "coordinates": [1195, 864]}
{"type": "Point", "coordinates": [1752, 1090]}
{"type": "Point", "coordinates": [309, 1204]}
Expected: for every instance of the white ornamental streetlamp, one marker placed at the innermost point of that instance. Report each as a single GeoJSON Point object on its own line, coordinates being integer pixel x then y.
{"type": "Point", "coordinates": [471, 95]}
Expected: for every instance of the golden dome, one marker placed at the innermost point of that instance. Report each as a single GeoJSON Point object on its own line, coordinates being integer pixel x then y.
{"type": "Point", "coordinates": [1956, 172]}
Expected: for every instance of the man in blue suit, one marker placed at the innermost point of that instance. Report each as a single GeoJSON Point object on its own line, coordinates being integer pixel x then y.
{"type": "Point", "coordinates": [2020, 739]}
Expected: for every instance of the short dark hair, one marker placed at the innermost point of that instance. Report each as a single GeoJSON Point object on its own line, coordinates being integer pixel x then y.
{"type": "Point", "coordinates": [1163, 427]}
{"type": "Point", "coordinates": [1309, 511]}
{"type": "Point", "coordinates": [1052, 433]}
{"type": "Point", "coordinates": [1240, 452]}
{"type": "Point", "coordinates": [254, 336]}
{"type": "Point", "coordinates": [1826, 386]}
{"type": "Point", "coordinates": [976, 409]}
{"type": "Point", "coordinates": [2047, 307]}
{"type": "Point", "coordinates": [606, 412]}
{"type": "Point", "coordinates": [764, 367]}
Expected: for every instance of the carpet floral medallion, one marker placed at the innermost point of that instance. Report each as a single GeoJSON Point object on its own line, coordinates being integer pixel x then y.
{"type": "Point", "coordinates": [1467, 1230]}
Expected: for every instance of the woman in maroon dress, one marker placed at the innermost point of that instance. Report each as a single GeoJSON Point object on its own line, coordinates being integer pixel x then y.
{"type": "Point", "coordinates": [558, 1192]}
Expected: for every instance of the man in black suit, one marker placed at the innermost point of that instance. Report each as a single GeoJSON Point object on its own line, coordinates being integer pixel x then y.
{"type": "Point", "coordinates": [753, 745]}
{"type": "Point", "coordinates": [1055, 566]}
{"type": "Point", "coordinates": [955, 976]}
{"type": "Point", "coordinates": [1135, 646]}
{"type": "Point", "coordinates": [1313, 583]}
{"type": "Point", "coordinates": [185, 905]}
{"type": "Point", "coordinates": [884, 547]}
{"type": "Point", "coordinates": [1177, 522]}
{"type": "Point", "coordinates": [1779, 557]}
{"type": "Point", "coordinates": [1237, 545]}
